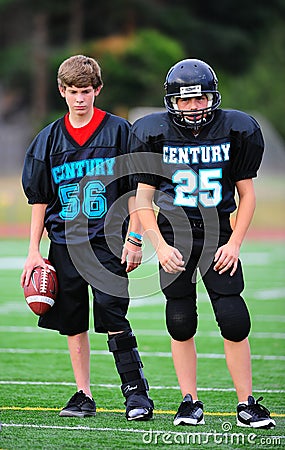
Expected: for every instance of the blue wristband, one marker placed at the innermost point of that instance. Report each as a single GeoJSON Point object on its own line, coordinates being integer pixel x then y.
{"type": "Point", "coordinates": [135, 235]}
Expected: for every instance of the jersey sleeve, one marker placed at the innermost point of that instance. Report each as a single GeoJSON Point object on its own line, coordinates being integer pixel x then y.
{"type": "Point", "coordinates": [248, 155]}
{"type": "Point", "coordinates": [144, 164]}
{"type": "Point", "coordinates": [36, 175]}
{"type": "Point", "coordinates": [127, 183]}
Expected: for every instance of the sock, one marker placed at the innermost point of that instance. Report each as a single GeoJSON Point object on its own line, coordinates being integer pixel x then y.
{"type": "Point", "coordinates": [243, 403]}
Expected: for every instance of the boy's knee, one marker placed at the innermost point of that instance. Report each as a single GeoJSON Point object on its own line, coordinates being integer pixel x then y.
{"type": "Point", "coordinates": [233, 317]}
{"type": "Point", "coordinates": [181, 318]}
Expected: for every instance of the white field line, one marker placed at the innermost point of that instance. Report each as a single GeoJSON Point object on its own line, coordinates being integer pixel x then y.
{"type": "Point", "coordinates": [270, 294]}
{"type": "Point", "coordinates": [115, 386]}
{"type": "Point", "coordinates": [12, 262]}
{"type": "Point", "coordinates": [31, 351]}
{"type": "Point", "coordinates": [76, 428]}
{"type": "Point", "coordinates": [213, 334]}
{"type": "Point", "coordinates": [141, 315]}
{"type": "Point", "coordinates": [248, 258]}
{"type": "Point", "coordinates": [278, 293]}
{"type": "Point", "coordinates": [149, 435]}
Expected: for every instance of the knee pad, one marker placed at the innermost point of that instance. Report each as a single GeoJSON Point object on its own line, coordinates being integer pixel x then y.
{"type": "Point", "coordinates": [181, 318]}
{"type": "Point", "coordinates": [128, 362]}
{"type": "Point", "coordinates": [232, 317]}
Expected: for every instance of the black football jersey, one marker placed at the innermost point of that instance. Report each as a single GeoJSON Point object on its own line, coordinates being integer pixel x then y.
{"type": "Point", "coordinates": [85, 187]}
{"type": "Point", "coordinates": [196, 173]}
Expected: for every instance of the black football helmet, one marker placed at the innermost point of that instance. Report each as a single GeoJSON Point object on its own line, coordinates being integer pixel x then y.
{"type": "Point", "coordinates": [191, 78]}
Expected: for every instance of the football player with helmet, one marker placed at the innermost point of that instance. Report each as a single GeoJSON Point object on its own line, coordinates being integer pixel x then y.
{"type": "Point", "coordinates": [191, 80]}
{"type": "Point", "coordinates": [191, 161]}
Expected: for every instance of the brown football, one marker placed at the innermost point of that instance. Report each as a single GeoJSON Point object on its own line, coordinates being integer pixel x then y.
{"type": "Point", "coordinates": [41, 292]}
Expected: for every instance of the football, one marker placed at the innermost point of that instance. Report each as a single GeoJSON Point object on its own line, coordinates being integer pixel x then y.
{"type": "Point", "coordinates": [41, 292]}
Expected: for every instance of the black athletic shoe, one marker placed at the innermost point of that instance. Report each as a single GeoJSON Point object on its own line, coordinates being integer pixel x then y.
{"type": "Point", "coordinates": [139, 407]}
{"type": "Point", "coordinates": [189, 413]}
{"type": "Point", "coordinates": [80, 405]}
{"type": "Point", "coordinates": [254, 415]}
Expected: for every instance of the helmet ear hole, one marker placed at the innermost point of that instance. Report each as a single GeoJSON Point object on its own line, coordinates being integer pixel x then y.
{"type": "Point", "coordinates": [210, 99]}
{"type": "Point", "coordinates": [173, 101]}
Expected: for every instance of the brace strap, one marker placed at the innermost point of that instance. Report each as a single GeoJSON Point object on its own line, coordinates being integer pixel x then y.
{"type": "Point", "coordinates": [122, 342]}
{"type": "Point", "coordinates": [140, 385]}
{"type": "Point", "coordinates": [128, 361]}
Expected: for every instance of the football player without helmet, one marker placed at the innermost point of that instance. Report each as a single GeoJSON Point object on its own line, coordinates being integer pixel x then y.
{"type": "Point", "coordinates": [191, 78]}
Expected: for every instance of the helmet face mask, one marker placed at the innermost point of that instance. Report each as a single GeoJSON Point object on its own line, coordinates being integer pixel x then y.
{"type": "Point", "coordinates": [191, 78]}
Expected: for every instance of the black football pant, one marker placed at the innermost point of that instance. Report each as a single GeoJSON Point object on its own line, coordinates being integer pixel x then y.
{"type": "Point", "coordinates": [224, 291]}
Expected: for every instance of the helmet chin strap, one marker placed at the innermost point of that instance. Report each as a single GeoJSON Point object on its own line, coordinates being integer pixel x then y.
{"type": "Point", "coordinates": [183, 120]}
{"type": "Point", "coordinates": [196, 123]}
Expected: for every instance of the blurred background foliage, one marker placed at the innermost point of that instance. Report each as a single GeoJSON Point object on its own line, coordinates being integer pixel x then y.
{"type": "Point", "coordinates": [135, 42]}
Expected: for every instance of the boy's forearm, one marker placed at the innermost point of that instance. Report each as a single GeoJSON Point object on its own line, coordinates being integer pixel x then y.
{"type": "Point", "coordinates": [146, 214]}
{"type": "Point", "coordinates": [37, 226]}
{"type": "Point", "coordinates": [134, 224]}
{"type": "Point", "coordinates": [245, 211]}
{"type": "Point", "coordinates": [149, 224]}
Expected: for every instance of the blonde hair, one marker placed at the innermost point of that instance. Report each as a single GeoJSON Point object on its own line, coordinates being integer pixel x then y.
{"type": "Point", "coordinates": [80, 71]}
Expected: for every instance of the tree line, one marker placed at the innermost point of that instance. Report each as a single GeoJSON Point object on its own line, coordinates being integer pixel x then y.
{"type": "Point", "coordinates": [135, 42]}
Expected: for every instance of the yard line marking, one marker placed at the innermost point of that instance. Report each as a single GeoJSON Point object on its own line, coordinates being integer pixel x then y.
{"type": "Point", "coordinates": [267, 294]}
{"type": "Point", "coordinates": [254, 334]}
{"type": "Point", "coordinates": [12, 262]}
{"type": "Point", "coordinates": [255, 258]}
{"type": "Point", "coordinates": [14, 307]}
{"type": "Point", "coordinates": [158, 299]}
{"type": "Point", "coordinates": [114, 386]}
{"type": "Point", "coordinates": [249, 259]}
{"type": "Point", "coordinates": [151, 354]}
{"type": "Point", "coordinates": [261, 318]}
{"type": "Point", "coordinates": [133, 315]}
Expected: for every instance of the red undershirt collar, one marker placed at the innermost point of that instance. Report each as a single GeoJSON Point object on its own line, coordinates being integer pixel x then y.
{"type": "Point", "coordinates": [82, 134]}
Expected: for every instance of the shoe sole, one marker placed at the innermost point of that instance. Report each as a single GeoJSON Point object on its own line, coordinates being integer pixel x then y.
{"type": "Point", "coordinates": [265, 424]}
{"type": "Point", "coordinates": [77, 414]}
{"type": "Point", "coordinates": [185, 421]}
{"type": "Point", "coordinates": [141, 417]}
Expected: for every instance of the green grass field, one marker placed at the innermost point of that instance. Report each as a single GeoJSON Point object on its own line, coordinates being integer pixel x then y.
{"type": "Point", "coordinates": [36, 378]}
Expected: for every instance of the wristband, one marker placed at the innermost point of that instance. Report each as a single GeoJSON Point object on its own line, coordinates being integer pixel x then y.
{"type": "Point", "coordinates": [135, 235]}
{"type": "Point", "coordinates": [137, 244]}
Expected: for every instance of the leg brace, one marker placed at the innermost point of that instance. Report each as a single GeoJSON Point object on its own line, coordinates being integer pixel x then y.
{"type": "Point", "coordinates": [128, 363]}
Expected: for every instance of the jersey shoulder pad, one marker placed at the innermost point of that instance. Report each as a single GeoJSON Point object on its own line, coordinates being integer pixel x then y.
{"type": "Point", "coordinates": [119, 121]}
{"type": "Point", "coordinates": [240, 121]}
{"type": "Point", "coordinates": [39, 145]}
{"type": "Point", "coordinates": [154, 124]}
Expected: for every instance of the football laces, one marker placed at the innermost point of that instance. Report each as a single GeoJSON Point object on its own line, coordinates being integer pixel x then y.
{"type": "Point", "coordinates": [44, 281]}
